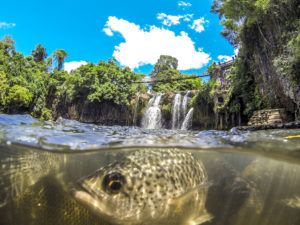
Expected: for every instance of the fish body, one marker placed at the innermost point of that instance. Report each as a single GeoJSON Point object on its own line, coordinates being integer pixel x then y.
{"type": "Point", "coordinates": [149, 186]}
{"type": "Point", "coordinates": [145, 186]}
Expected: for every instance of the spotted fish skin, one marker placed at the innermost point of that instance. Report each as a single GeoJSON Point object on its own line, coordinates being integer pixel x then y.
{"type": "Point", "coordinates": [154, 186]}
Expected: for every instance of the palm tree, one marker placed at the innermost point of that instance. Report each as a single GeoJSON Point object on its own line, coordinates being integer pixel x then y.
{"type": "Point", "coordinates": [39, 53]}
{"type": "Point", "coordinates": [59, 56]}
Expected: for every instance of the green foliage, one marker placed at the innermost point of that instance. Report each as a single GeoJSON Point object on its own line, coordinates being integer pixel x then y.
{"type": "Point", "coordinates": [166, 110]}
{"type": "Point", "coordinates": [39, 54]}
{"type": "Point", "coordinates": [7, 45]}
{"type": "Point", "coordinates": [3, 87]}
{"type": "Point", "coordinates": [24, 81]}
{"type": "Point", "coordinates": [267, 32]}
{"type": "Point", "coordinates": [46, 114]}
{"type": "Point", "coordinates": [166, 70]}
{"type": "Point", "coordinates": [19, 97]}
{"type": "Point", "coordinates": [29, 84]}
{"type": "Point", "coordinates": [237, 14]}
{"type": "Point", "coordinates": [164, 63]}
{"type": "Point", "coordinates": [59, 56]}
{"type": "Point", "coordinates": [212, 68]}
{"type": "Point", "coordinates": [203, 96]}
{"type": "Point", "coordinates": [288, 63]}
{"type": "Point", "coordinates": [102, 82]}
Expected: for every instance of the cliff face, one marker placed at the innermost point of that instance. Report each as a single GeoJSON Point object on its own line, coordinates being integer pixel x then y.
{"type": "Point", "coordinates": [104, 113]}
{"type": "Point", "coordinates": [270, 48]}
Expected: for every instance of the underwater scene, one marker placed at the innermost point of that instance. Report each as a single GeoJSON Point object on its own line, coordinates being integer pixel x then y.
{"type": "Point", "coordinates": [70, 173]}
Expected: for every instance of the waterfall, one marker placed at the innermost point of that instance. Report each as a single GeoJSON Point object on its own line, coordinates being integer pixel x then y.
{"type": "Point", "coordinates": [152, 116]}
{"type": "Point", "coordinates": [176, 111]}
{"type": "Point", "coordinates": [187, 123]}
{"type": "Point", "coordinates": [185, 101]}
{"type": "Point", "coordinates": [179, 112]}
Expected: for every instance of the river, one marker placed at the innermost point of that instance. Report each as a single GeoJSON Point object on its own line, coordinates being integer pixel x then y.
{"type": "Point", "coordinates": [247, 178]}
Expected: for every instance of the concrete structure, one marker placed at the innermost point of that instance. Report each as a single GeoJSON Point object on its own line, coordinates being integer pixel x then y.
{"type": "Point", "coordinates": [223, 118]}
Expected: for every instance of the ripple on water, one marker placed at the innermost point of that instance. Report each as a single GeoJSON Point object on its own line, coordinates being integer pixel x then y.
{"type": "Point", "coordinates": [73, 135]}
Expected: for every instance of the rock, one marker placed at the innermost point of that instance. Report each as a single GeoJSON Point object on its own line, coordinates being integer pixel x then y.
{"type": "Point", "coordinates": [267, 117]}
{"type": "Point", "coordinates": [290, 125]}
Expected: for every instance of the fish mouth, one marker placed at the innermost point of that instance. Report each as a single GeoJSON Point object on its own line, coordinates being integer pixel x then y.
{"type": "Point", "coordinates": [91, 200]}
{"type": "Point", "coordinates": [84, 197]}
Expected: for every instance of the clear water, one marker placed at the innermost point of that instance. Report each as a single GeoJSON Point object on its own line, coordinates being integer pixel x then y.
{"type": "Point", "coordinates": [187, 122]}
{"type": "Point", "coordinates": [253, 177]}
{"type": "Point", "coordinates": [176, 111]}
{"type": "Point", "coordinates": [152, 116]}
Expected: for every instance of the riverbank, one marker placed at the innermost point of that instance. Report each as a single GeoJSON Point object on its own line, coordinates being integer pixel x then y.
{"type": "Point", "coordinates": [290, 125]}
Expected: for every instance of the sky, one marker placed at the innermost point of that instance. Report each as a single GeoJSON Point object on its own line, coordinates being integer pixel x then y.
{"type": "Point", "coordinates": [135, 32]}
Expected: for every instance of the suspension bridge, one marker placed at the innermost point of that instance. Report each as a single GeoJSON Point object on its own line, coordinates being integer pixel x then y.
{"type": "Point", "coordinates": [152, 81]}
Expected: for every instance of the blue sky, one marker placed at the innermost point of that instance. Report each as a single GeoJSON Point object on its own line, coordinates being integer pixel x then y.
{"type": "Point", "coordinates": [135, 32]}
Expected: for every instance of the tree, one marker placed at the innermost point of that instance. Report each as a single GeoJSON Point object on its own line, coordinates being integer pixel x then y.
{"type": "Point", "coordinates": [60, 55]}
{"type": "Point", "coordinates": [8, 44]}
{"type": "Point", "coordinates": [3, 87]}
{"type": "Point", "coordinates": [165, 62]}
{"type": "Point", "coordinates": [18, 97]}
{"type": "Point", "coordinates": [39, 53]}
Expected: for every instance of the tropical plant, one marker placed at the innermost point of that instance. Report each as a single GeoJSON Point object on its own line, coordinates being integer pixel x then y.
{"type": "Point", "coordinates": [39, 53]}
{"type": "Point", "coordinates": [59, 56]}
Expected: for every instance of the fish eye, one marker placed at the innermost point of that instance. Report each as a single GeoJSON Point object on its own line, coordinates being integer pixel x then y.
{"type": "Point", "coordinates": [113, 182]}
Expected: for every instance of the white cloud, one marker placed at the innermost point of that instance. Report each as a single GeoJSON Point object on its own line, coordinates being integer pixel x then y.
{"type": "Point", "coordinates": [224, 58]}
{"type": "Point", "coordinates": [184, 4]}
{"type": "Point", "coordinates": [198, 25]}
{"type": "Point", "coordinates": [170, 20]}
{"type": "Point", "coordinates": [5, 25]}
{"type": "Point", "coordinates": [108, 32]}
{"type": "Point", "coordinates": [69, 66]}
{"type": "Point", "coordinates": [142, 47]}
{"type": "Point", "coordinates": [188, 17]}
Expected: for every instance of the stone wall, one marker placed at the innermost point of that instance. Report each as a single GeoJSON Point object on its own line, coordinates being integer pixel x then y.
{"type": "Point", "coordinates": [268, 116]}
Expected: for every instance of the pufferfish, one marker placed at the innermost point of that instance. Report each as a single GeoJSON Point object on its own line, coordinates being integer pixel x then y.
{"type": "Point", "coordinates": [149, 186]}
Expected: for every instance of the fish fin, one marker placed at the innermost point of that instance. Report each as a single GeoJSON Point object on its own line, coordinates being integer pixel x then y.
{"type": "Point", "coordinates": [204, 217]}
{"type": "Point", "coordinates": [181, 201]}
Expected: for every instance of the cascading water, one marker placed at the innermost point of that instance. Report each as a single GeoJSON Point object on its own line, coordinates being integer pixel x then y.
{"type": "Point", "coordinates": [187, 123]}
{"type": "Point", "coordinates": [185, 101]}
{"type": "Point", "coordinates": [152, 116]}
{"type": "Point", "coordinates": [176, 111]}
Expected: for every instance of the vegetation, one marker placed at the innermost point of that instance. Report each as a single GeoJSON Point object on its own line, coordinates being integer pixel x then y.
{"type": "Point", "coordinates": [24, 80]}
{"type": "Point", "coordinates": [31, 85]}
{"type": "Point", "coordinates": [105, 81]}
{"type": "Point", "coordinates": [39, 54]}
{"type": "Point", "coordinates": [59, 56]}
{"type": "Point", "coordinates": [266, 74]}
{"type": "Point", "coordinates": [166, 69]}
